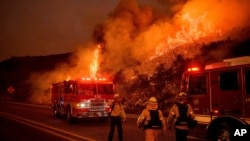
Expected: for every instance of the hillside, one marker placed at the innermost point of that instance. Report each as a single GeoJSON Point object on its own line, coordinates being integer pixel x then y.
{"type": "Point", "coordinates": [15, 72]}
{"type": "Point", "coordinates": [134, 84]}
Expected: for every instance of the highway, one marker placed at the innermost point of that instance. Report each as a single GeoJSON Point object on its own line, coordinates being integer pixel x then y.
{"type": "Point", "coordinates": [23, 122]}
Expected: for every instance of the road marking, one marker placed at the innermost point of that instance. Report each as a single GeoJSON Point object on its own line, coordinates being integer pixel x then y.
{"type": "Point", "coordinates": [195, 138]}
{"type": "Point", "coordinates": [45, 128]}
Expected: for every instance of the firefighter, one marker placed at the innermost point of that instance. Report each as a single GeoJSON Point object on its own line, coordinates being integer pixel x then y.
{"type": "Point", "coordinates": [151, 120]}
{"type": "Point", "coordinates": [117, 116]}
{"type": "Point", "coordinates": [181, 115]}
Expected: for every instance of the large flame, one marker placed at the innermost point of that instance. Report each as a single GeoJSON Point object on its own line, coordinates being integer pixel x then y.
{"type": "Point", "coordinates": [136, 34]}
{"type": "Point", "coordinates": [94, 66]}
{"type": "Point", "coordinates": [191, 30]}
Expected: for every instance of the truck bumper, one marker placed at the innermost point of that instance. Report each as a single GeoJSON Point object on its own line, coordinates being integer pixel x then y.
{"type": "Point", "coordinates": [85, 113]}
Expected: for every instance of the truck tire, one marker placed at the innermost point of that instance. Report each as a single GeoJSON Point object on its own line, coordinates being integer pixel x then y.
{"type": "Point", "coordinates": [219, 131]}
{"type": "Point", "coordinates": [223, 135]}
{"type": "Point", "coordinates": [222, 128]}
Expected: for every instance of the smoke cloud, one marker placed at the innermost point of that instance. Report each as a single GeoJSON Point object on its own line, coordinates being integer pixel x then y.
{"type": "Point", "coordinates": [140, 35]}
{"type": "Point", "coordinates": [134, 33]}
{"type": "Point", "coordinates": [225, 15]}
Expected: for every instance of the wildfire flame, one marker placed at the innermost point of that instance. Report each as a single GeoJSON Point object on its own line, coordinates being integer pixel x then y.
{"type": "Point", "coordinates": [94, 66]}
{"type": "Point", "coordinates": [149, 31]}
{"type": "Point", "coordinates": [191, 30]}
{"type": "Point", "coordinates": [68, 78]}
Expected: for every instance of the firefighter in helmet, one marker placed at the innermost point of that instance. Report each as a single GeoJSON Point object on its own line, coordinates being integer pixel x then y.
{"type": "Point", "coordinates": [180, 116]}
{"type": "Point", "coordinates": [151, 120]}
{"type": "Point", "coordinates": [117, 116]}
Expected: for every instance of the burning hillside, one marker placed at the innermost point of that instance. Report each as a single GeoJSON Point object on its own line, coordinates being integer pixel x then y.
{"type": "Point", "coordinates": [136, 33]}
{"type": "Point", "coordinates": [138, 38]}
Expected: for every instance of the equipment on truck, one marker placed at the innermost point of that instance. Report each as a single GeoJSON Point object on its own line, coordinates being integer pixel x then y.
{"type": "Point", "coordinates": [220, 95]}
{"type": "Point", "coordinates": [83, 98]}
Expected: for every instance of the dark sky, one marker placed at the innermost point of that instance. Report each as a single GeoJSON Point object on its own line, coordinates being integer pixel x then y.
{"type": "Point", "coordinates": [44, 27]}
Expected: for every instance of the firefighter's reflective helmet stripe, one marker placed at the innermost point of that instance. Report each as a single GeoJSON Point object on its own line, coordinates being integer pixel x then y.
{"type": "Point", "coordinates": [152, 99]}
{"type": "Point", "coordinates": [182, 95]}
{"type": "Point", "coordinates": [116, 96]}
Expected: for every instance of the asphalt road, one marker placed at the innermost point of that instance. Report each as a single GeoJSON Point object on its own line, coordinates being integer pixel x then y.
{"type": "Point", "coordinates": [11, 130]}
{"type": "Point", "coordinates": [24, 122]}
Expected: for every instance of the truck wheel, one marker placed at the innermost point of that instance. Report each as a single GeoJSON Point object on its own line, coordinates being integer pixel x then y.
{"type": "Point", "coordinates": [223, 135]}
{"type": "Point", "coordinates": [222, 128]}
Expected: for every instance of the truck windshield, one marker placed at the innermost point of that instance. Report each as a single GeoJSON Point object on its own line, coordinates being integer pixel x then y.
{"type": "Point", "coordinates": [197, 84]}
{"type": "Point", "coordinates": [91, 89]}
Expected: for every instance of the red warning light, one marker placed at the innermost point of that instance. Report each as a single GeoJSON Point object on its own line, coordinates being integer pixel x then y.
{"type": "Point", "coordinates": [193, 69]}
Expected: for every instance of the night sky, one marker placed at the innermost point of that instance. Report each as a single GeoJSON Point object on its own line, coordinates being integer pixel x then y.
{"type": "Point", "coordinates": [44, 27]}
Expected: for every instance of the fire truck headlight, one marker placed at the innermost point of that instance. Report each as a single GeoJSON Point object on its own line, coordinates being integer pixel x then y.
{"type": "Point", "coordinates": [82, 105]}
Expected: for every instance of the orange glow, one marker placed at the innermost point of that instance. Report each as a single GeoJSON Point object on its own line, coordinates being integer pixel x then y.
{"type": "Point", "coordinates": [216, 111]}
{"type": "Point", "coordinates": [68, 78]}
{"type": "Point", "coordinates": [94, 66]}
{"type": "Point", "coordinates": [189, 30]}
{"type": "Point", "coordinates": [218, 13]}
{"type": "Point", "coordinates": [86, 78]}
{"type": "Point", "coordinates": [193, 69]}
{"type": "Point", "coordinates": [96, 79]}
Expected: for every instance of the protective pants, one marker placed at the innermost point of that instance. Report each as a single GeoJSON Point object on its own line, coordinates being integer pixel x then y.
{"type": "Point", "coordinates": [115, 121]}
{"type": "Point", "coordinates": [152, 134]}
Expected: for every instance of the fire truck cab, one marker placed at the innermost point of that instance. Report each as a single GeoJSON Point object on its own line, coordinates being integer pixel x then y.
{"type": "Point", "coordinates": [83, 98]}
{"type": "Point", "coordinates": [220, 97]}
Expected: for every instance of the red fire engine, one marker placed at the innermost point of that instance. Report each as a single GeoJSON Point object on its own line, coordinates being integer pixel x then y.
{"type": "Point", "coordinates": [83, 98]}
{"type": "Point", "coordinates": [220, 96]}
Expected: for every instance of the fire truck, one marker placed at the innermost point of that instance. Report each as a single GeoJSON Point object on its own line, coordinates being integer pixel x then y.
{"type": "Point", "coordinates": [82, 98]}
{"type": "Point", "coordinates": [220, 96]}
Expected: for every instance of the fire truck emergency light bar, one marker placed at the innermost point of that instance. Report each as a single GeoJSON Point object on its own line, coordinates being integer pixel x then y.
{"type": "Point", "coordinates": [193, 69]}
{"type": "Point", "coordinates": [96, 79]}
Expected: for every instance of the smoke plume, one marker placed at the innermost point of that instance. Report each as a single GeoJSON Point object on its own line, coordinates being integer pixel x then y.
{"type": "Point", "coordinates": [134, 33]}
{"type": "Point", "coordinates": [142, 35]}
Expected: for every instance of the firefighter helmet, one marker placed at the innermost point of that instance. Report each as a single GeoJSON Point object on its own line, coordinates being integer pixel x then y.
{"type": "Point", "coordinates": [152, 99]}
{"type": "Point", "coordinates": [182, 95]}
{"type": "Point", "coordinates": [116, 96]}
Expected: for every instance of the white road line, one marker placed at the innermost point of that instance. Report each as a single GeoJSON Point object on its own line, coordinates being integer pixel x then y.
{"type": "Point", "coordinates": [43, 126]}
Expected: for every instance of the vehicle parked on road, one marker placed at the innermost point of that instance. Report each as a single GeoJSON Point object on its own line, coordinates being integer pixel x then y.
{"type": "Point", "coordinates": [83, 98]}
{"type": "Point", "coordinates": [220, 95]}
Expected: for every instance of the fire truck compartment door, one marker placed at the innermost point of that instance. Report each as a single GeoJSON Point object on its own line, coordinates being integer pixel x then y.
{"type": "Point", "coordinates": [226, 91]}
{"type": "Point", "coordinates": [246, 88]}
